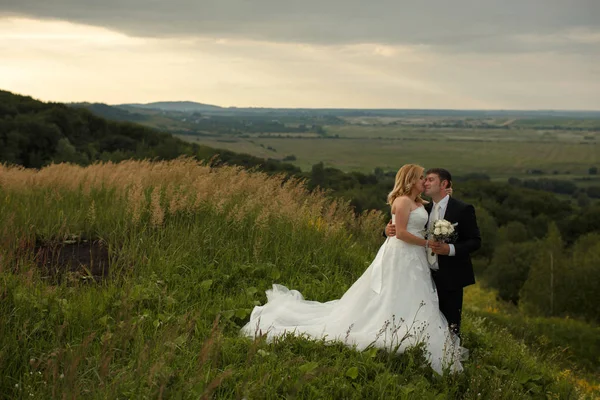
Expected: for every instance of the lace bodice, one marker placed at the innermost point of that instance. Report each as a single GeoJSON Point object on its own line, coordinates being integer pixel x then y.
{"type": "Point", "coordinates": [416, 221]}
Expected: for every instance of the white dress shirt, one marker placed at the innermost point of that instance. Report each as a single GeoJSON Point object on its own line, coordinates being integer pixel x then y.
{"type": "Point", "coordinates": [443, 204]}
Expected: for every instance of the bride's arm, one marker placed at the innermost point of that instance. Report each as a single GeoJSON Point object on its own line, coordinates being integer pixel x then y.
{"type": "Point", "coordinates": [402, 207]}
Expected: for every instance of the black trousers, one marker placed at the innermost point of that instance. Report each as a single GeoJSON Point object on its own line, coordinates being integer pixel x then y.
{"type": "Point", "coordinates": [451, 306]}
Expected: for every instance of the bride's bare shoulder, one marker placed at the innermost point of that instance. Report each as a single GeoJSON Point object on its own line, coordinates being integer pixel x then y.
{"type": "Point", "coordinates": [402, 199]}
{"type": "Point", "coordinates": [402, 202]}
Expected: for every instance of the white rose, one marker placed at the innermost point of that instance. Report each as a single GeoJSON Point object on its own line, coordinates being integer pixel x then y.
{"type": "Point", "coordinates": [450, 229]}
{"type": "Point", "coordinates": [444, 230]}
{"type": "Point", "coordinates": [437, 231]}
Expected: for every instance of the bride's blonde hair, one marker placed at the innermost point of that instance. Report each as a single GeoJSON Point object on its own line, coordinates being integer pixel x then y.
{"type": "Point", "coordinates": [406, 178]}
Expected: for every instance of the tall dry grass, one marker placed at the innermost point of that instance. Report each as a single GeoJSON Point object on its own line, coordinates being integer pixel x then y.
{"type": "Point", "coordinates": [187, 186]}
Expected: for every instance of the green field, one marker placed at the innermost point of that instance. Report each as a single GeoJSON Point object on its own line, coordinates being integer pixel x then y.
{"type": "Point", "coordinates": [152, 269]}
{"type": "Point", "coordinates": [496, 152]}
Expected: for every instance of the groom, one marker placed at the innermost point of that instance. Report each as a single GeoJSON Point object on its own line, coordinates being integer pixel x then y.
{"type": "Point", "coordinates": [450, 265]}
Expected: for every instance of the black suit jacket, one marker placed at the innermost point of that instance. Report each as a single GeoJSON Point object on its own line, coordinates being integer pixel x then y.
{"type": "Point", "coordinates": [456, 272]}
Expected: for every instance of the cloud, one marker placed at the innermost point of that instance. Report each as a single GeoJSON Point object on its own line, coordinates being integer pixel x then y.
{"type": "Point", "coordinates": [63, 61]}
{"type": "Point", "coordinates": [456, 25]}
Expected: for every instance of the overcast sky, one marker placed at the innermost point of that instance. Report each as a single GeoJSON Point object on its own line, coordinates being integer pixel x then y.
{"type": "Point", "coordinates": [491, 54]}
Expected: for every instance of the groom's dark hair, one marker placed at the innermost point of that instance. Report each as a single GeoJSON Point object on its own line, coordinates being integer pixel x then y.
{"type": "Point", "coordinates": [444, 174]}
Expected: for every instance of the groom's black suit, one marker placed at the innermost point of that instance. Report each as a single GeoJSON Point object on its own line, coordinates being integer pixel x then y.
{"type": "Point", "coordinates": [456, 272]}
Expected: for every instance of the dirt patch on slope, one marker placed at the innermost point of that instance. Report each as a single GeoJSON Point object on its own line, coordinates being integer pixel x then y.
{"type": "Point", "coordinates": [81, 260]}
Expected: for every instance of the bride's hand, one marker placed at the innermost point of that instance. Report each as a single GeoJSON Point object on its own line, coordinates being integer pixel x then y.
{"type": "Point", "coordinates": [390, 229]}
{"type": "Point", "coordinates": [449, 191]}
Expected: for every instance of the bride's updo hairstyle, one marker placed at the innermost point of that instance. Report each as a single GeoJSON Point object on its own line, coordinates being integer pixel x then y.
{"type": "Point", "coordinates": [406, 178]}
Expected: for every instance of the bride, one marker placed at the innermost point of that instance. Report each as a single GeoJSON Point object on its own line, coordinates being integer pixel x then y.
{"type": "Point", "coordinates": [393, 305]}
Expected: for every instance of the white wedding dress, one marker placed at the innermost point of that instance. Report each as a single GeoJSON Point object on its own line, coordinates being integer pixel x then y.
{"type": "Point", "coordinates": [393, 305]}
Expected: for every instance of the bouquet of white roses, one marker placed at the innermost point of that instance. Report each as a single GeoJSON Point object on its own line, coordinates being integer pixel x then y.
{"type": "Point", "coordinates": [442, 231]}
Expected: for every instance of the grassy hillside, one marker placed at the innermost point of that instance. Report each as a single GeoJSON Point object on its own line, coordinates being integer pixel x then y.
{"type": "Point", "coordinates": [133, 279]}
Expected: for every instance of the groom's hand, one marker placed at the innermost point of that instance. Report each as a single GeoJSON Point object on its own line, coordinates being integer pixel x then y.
{"type": "Point", "coordinates": [390, 229]}
{"type": "Point", "coordinates": [439, 248]}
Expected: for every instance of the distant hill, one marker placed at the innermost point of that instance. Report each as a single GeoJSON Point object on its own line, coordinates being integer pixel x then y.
{"type": "Point", "coordinates": [182, 106]}
{"type": "Point", "coordinates": [190, 106]}
{"type": "Point", "coordinates": [111, 112]}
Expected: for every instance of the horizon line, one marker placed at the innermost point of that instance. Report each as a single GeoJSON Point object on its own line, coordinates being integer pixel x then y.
{"type": "Point", "coordinates": [348, 108]}
{"type": "Point", "coordinates": [318, 108]}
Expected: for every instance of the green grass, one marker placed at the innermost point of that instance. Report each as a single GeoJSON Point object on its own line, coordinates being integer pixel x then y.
{"type": "Point", "coordinates": [498, 159]}
{"type": "Point", "coordinates": [193, 250]}
{"type": "Point", "coordinates": [575, 344]}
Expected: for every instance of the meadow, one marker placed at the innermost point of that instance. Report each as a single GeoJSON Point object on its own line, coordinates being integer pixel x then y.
{"type": "Point", "coordinates": [500, 153]}
{"type": "Point", "coordinates": [189, 250]}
